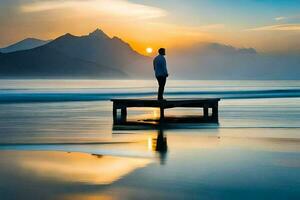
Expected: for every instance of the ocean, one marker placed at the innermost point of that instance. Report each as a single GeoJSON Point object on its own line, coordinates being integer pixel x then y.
{"type": "Point", "coordinates": [58, 137]}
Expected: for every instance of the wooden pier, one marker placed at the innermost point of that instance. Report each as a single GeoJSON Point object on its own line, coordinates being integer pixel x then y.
{"type": "Point", "coordinates": [205, 104]}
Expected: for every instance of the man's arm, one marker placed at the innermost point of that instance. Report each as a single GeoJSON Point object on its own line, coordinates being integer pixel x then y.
{"type": "Point", "coordinates": [164, 65]}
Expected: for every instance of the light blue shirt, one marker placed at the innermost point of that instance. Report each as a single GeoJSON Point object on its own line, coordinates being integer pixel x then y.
{"type": "Point", "coordinates": [160, 66]}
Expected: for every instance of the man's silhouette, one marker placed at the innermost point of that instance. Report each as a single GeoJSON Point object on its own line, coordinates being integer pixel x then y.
{"type": "Point", "coordinates": [161, 72]}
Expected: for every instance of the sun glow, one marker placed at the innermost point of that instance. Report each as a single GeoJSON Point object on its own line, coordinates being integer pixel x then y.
{"type": "Point", "coordinates": [149, 50]}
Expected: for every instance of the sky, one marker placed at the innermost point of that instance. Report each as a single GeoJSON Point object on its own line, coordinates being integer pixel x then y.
{"type": "Point", "coordinates": [266, 25]}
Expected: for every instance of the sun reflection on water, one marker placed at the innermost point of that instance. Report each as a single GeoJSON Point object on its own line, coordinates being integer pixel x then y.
{"type": "Point", "coordinates": [79, 167]}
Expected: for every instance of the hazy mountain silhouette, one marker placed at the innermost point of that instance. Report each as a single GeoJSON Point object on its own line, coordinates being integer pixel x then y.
{"type": "Point", "coordinates": [93, 55]}
{"type": "Point", "coordinates": [47, 62]}
{"type": "Point", "coordinates": [99, 48]}
{"type": "Point", "coordinates": [28, 43]}
{"type": "Point", "coordinates": [218, 61]}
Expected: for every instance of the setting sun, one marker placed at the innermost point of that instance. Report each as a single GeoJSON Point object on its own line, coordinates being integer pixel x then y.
{"type": "Point", "coordinates": [149, 50]}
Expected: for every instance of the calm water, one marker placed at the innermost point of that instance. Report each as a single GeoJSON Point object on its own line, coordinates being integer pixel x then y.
{"type": "Point", "coordinates": [253, 153]}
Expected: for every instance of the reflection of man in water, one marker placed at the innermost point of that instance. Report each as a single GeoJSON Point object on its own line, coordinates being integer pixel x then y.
{"type": "Point", "coordinates": [160, 145]}
{"type": "Point", "coordinates": [161, 72]}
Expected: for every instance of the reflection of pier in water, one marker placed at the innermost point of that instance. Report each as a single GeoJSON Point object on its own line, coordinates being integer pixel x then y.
{"type": "Point", "coordinates": [184, 122]}
{"type": "Point", "coordinates": [159, 144]}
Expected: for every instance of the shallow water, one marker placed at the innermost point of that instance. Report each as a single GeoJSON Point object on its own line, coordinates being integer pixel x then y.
{"type": "Point", "coordinates": [253, 153]}
{"type": "Point", "coordinates": [193, 167]}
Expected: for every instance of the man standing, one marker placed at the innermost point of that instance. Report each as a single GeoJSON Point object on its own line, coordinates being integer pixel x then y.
{"type": "Point", "coordinates": [161, 72]}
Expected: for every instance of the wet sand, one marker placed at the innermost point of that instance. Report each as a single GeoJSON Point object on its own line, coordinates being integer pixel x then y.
{"type": "Point", "coordinates": [187, 166]}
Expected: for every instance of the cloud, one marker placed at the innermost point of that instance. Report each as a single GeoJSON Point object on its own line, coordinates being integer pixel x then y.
{"type": "Point", "coordinates": [280, 18]}
{"type": "Point", "coordinates": [285, 18]}
{"type": "Point", "coordinates": [277, 27]}
{"type": "Point", "coordinates": [119, 8]}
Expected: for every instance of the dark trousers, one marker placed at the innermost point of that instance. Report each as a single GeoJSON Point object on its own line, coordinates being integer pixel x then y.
{"type": "Point", "coordinates": [161, 86]}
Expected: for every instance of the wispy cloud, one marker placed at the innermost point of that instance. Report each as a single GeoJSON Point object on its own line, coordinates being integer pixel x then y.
{"type": "Point", "coordinates": [277, 27]}
{"type": "Point", "coordinates": [280, 18]}
{"type": "Point", "coordinates": [121, 8]}
{"type": "Point", "coordinates": [286, 18]}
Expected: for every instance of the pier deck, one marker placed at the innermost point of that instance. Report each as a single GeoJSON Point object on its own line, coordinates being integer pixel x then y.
{"type": "Point", "coordinates": [204, 103]}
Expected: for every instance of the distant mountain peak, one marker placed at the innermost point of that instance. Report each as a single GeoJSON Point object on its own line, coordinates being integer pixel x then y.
{"type": "Point", "coordinates": [119, 40]}
{"type": "Point", "coordinates": [98, 33]}
{"type": "Point", "coordinates": [25, 44]}
{"type": "Point", "coordinates": [31, 39]}
{"type": "Point", "coordinates": [68, 35]}
{"type": "Point", "coordinates": [218, 48]}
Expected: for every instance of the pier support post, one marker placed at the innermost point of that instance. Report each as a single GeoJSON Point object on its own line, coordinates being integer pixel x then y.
{"type": "Point", "coordinates": [215, 111]}
{"type": "Point", "coordinates": [114, 113]}
{"type": "Point", "coordinates": [123, 114]}
{"type": "Point", "coordinates": [205, 111]}
{"type": "Point", "coordinates": [162, 113]}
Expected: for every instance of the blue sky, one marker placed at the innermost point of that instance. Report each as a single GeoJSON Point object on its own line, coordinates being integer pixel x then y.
{"type": "Point", "coordinates": [242, 12]}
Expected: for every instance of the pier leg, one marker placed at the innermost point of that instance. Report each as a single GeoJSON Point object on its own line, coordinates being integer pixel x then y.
{"type": "Point", "coordinates": [205, 112]}
{"type": "Point", "coordinates": [123, 114]}
{"type": "Point", "coordinates": [162, 114]}
{"type": "Point", "coordinates": [215, 112]}
{"type": "Point", "coordinates": [115, 114]}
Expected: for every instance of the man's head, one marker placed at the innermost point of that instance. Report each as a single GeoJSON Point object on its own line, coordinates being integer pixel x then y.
{"type": "Point", "coordinates": [162, 51]}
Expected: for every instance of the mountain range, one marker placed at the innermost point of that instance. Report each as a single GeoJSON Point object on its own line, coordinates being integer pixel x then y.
{"type": "Point", "coordinates": [97, 55]}
{"type": "Point", "coordinates": [28, 43]}
{"type": "Point", "coordinates": [223, 62]}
